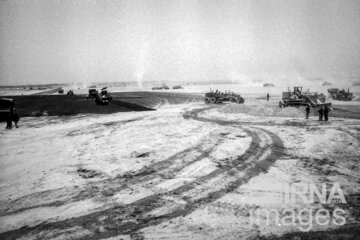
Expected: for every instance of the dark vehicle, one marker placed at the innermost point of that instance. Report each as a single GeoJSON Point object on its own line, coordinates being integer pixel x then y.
{"type": "Point", "coordinates": [70, 92]}
{"type": "Point", "coordinates": [298, 98]}
{"type": "Point", "coordinates": [102, 98]}
{"type": "Point", "coordinates": [92, 94]}
{"type": "Point", "coordinates": [219, 97]}
{"type": "Point", "coordinates": [161, 88]}
{"type": "Point", "coordinates": [268, 85]}
{"type": "Point", "coordinates": [61, 91]}
{"type": "Point", "coordinates": [326, 83]}
{"type": "Point", "coordinates": [178, 87]}
{"type": "Point", "coordinates": [105, 94]}
{"type": "Point", "coordinates": [7, 112]}
{"type": "Point", "coordinates": [340, 95]}
{"type": "Point", "coordinates": [6, 106]}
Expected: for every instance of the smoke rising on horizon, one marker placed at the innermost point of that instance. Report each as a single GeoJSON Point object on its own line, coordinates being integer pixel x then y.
{"type": "Point", "coordinates": [57, 41]}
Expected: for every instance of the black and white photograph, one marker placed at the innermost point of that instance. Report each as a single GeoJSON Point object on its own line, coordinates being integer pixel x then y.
{"type": "Point", "coordinates": [180, 119]}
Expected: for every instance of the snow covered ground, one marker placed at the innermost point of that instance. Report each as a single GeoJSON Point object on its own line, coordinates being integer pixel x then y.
{"type": "Point", "coordinates": [186, 171]}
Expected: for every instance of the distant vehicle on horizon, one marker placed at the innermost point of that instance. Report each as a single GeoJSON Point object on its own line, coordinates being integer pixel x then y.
{"type": "Point", "coordinates": [268, 85]}
{"type": "Point", "coordinates": [326, 83]}
{"type": "Point", "coordinates": [178, 87]}
{"type": "Point", "coordinates": [161, 88]}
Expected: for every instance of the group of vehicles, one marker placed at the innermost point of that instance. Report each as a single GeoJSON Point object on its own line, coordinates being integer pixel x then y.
{"type": "Point", "coordinates": [295, 98]}
{"type": "Point", "coordinates": [61, 91]}
{"type": "Point", "coordinates": [102, 98]}
{"type": "Point", "coordinates": [165, 87]}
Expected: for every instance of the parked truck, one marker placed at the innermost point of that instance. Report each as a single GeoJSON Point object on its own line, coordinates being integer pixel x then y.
{"type": "Point", "coordinates": [219, 97]}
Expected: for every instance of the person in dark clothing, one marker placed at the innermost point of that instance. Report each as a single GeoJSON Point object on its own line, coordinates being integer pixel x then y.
{"type": "Point", "coordinates": [12, 118]}
{"type": "Point", "coordinates": [15, 119]}
{"type": "Point", "coordinates": [307, 109]}
{"type": "Point", "coordinates": [326, 113]}
{"type": "Point", "coordinates": [9, 121]}
{"type": "Point", "coordinates": [321, 114]}
{"type": "Point", "coordinates": [268, 97]}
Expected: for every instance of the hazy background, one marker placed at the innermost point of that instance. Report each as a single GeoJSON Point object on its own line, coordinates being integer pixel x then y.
{"type": "Point", "coordinates": [50, 41]}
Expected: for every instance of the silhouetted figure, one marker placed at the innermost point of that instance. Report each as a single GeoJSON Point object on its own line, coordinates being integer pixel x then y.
{"type": "Point", "coordinates": [12, 117]}
{"type": "Point", "coordinates": [326, 113]}
{"type": "Point", "coordinates": [9, 122]}
{"type": "Point", "coordinates": [321, 114]}
{"type": "Point", "coordinates": [307, 109]}
{"type": "Point", "coordinates": [267, 97]}
{"type": "Point", "coordinates": [9, 116]}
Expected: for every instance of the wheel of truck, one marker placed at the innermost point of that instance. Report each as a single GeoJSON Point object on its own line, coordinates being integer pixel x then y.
{"type": "Point", "coordinates": [213, 100]}
{"type": "Point", "coordinates": [207, 100]}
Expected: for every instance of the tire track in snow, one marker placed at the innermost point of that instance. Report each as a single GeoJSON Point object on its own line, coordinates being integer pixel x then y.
{"type": "Point", "coordinates": [136, 214]}
{"type": "Point", "coordinates": [102, 187]}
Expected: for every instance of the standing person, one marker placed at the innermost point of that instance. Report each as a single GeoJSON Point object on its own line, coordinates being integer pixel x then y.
{"type": "Point", "coordinates": [15, 117]}
{"type": "Point", "coordinates": [307, 109]}
{"type": "Point", "coordinates": [321, 114]}
{"type": "Point", "coordinates": [9, 121]}
{"type": "Point", "coordinates": [10, 106]}
{"type": "Point", "coordinates": [267, 97]}
{"type": "Point", "coordinates": [326, 113]}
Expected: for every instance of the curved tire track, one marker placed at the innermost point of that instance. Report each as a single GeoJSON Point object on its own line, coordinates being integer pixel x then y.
{"type": "Point", "coordinates": [131, 218]}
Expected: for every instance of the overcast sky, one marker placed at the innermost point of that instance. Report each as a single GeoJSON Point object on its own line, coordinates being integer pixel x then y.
{"type": "Point", "coordinates": [51, 41]}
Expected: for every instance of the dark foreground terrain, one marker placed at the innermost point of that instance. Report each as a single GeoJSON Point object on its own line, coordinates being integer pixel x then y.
{"type": "Point", "coordinates": [58, 105]}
